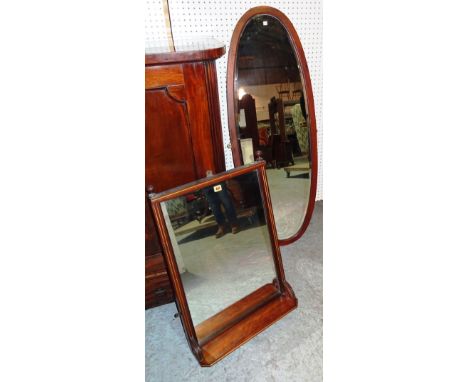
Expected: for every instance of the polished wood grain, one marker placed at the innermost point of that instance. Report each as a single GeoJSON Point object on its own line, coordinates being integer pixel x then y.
{"type": "Point", "coordinates": [152, 245]}
{"type": "Point", "coordinates": [191, 51]}
{"type": "Point", "coordinates": [183, 123]}
{"type": "Point", "coordinates": [158, 290]}
{"type": "Point", "coordinates": [255, 323]}
{"type": "Point", "coordinates": [164, 75]}
{"type": "Point", "coordinates": [168, 141]}
{"type": "Point", "coordinates": [215, 118]}
{"type": "Point", "coordinates": [228, 317]}
{"type": "Point", "coordinates": [202, 128]}
{"type": "Point", "coordinates": [229, 329]}
{"type": "Point", "coordinates": [308, 95]}
{"type": "Point", "coordinates": [157, 282]}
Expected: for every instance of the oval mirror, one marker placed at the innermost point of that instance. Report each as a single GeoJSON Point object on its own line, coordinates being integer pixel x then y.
{"type": "Point", "coordinates": [271, 114]}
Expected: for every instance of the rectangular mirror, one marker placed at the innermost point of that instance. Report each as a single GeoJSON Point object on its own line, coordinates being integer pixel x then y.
{"type": "Point", "coordinates": [223, 259]}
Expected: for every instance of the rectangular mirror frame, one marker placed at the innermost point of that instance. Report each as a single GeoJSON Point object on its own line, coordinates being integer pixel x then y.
{"type": "Point", "coordinates": [262, 308]}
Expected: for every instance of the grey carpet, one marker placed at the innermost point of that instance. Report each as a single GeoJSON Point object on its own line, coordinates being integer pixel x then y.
{"type": "Point", "coordinates": [290, 350]}
{"type": "Point", "coordinates": [288, 197]}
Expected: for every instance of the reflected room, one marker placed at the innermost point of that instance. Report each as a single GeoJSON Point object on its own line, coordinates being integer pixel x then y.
{"type": "Point", "coordinates": [272, 117]}
{"type": "Point", "coordinates": [221, 244]}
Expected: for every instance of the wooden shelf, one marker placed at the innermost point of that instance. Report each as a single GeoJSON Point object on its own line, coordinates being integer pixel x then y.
{"type": "Point", "coordinates": [257, 321]}
{"type": "Point", "coordinates": [225, 319]}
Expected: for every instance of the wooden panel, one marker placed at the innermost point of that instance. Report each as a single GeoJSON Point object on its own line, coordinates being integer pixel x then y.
{"type": "Point", "coordinates": [152, 245]}
{"type": "Point", "coordinates": [198, 108]}
{"type": "Point", "coordinates": [158, 288]}
{"type": "Point", "coordinates": [215, 116]}
{"type": "Point", "coordinates": [158, 296]}
{"type": "Point", "coordinates": [169, 156]}
{"type": "Point", "coordinates": [157, 76]}
{"type": "Point", "coordinates": [154, 264]}
{"type": "Point", "coordinates": [156, 280]}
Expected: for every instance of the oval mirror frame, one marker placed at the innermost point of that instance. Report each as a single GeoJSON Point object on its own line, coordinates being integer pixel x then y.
{"type": "Point", "coordinates": [309, 100]}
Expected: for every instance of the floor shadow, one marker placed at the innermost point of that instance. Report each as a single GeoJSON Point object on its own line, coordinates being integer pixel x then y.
{"type": "Point", "coordinates": [300, 176]}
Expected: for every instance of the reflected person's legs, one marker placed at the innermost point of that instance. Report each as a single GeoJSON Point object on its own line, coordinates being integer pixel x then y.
{"type": "Point", "coordinates": [215, 205]}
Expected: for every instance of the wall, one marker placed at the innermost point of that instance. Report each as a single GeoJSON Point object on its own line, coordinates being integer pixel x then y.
{"type": "Point", "coordinates": [217, 18]}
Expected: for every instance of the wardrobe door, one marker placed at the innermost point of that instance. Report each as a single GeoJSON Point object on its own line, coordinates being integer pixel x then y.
{"type": "Point", "coordinates": [169, 154]}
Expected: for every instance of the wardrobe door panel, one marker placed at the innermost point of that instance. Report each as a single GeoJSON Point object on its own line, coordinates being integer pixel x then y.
{"type": "Point", "coordinates": [169, 155]}
{"type": "Point", "coordinates": [164, 75]}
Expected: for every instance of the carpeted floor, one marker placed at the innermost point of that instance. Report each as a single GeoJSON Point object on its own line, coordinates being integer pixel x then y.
{"type": "Point", "coordinates": [288, 197]}
{"type": "Point", "coordinates": [220, 272]}
{"type": "Point", "coordinates": [290, 350]}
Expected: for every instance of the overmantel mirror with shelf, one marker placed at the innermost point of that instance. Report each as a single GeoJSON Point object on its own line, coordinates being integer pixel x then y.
{"type": "Point", "coordinates": [271, 114]}
{"type": "Point", "coordinates": [228, 289]}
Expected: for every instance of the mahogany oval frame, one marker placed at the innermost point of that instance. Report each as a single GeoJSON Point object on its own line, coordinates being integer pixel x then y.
{"type": "Point", "coordinates": [309, 99]}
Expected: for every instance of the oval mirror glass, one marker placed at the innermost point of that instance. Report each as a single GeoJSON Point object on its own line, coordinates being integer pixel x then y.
{"type": "Point", "coordinates": [271, 114]}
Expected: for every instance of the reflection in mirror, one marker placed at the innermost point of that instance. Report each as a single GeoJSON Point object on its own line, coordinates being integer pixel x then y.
{"type": "Point", "coordinates": [222, 247]}
{"type": "Point", "coordinates": [271, 111]}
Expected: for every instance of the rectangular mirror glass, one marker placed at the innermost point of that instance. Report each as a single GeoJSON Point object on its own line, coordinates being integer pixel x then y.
{"type": "Point", "coordinates": [222, 245]}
